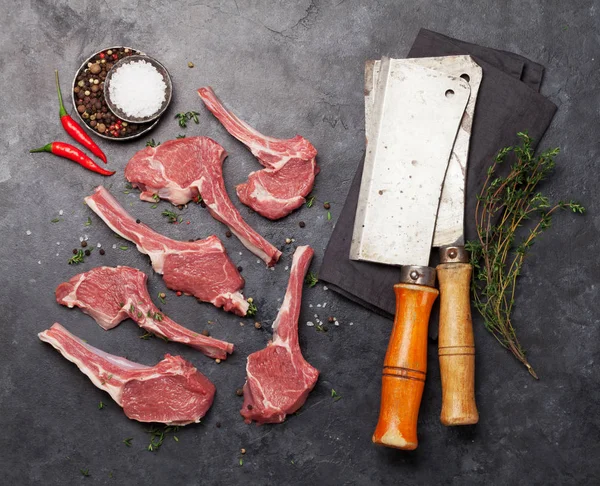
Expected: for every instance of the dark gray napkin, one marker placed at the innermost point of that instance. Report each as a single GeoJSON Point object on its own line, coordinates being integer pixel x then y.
{"type": "Point", "coordinates": [508, 102]}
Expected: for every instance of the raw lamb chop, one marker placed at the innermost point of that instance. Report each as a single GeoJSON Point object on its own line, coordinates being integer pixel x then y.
{"type": "Point", "coordinates": [172, 392]}
{"type": "Point", "coordinates": [111, 295]}
{"type": "Point", "coordinates": [278, 379]}
{"type": "Point", "coordinates": [179, 170]}
{"type": "Point", "coordinates": [200, 268]}
{"type": "Point", "coordinates": [291, 166]}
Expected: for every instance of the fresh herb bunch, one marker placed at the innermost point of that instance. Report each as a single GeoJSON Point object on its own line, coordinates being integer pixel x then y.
{"type": "Point", "coordinates": [503, 206]}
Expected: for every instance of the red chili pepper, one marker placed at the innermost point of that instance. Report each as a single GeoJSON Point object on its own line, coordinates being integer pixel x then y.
{"type": "Point", "coordinates": [67, 151]}
{"type": "Point", "coordinates": [76, 131]}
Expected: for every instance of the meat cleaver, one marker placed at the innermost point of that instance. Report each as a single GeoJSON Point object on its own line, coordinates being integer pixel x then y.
{"type": "Point", "coordinates": [456, 345]}
{"type": "Point", "coordinates": [413, 122]}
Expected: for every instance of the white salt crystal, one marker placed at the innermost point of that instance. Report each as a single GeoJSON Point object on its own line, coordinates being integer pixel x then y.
{"type": "Point", "coordinates": [58, 242]}
{"type": "Point", "coordinates": [325, 287]}
{"type": "Point", "coordinates": [286, 268]}
{"type": "Point", "coordinates": [316, 315]}
{"type": "Point", "coordinates": [39, 262]}
{"type": "Point", "coordinates": [28, 232]}
{"type": "Point", "coordinates": [114, 246]}
{"type": "Point", "coordinates": [336, 323]}
{"type": "Point", "coordinates": [351, 323]}
{"type": "Point", "coordinates": [81, 238]}
{"type": "Point", "coordinates": [98, 245]}
{"type": "Point", "coordinates": [57, 254]}
{"type": "Point", "coordinates": [310, 324]}
{"type": "Point", "coordinates": [257, 261]}
{"type": "Point", "coordinates": [324, 304]}
{"type": "Point", "coordinates": [138, 89]}
{"type": "Point", "coordinates": [60, 212]}
{"type": "Point", "coordinates": [318, 305]}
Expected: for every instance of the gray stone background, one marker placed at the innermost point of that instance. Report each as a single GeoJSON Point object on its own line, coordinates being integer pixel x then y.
{"type": "Point", "coordinates": [287, 67]}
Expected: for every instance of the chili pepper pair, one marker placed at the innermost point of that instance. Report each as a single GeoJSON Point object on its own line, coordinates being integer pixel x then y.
{"type": "Point", "coordinates": [70, 152]}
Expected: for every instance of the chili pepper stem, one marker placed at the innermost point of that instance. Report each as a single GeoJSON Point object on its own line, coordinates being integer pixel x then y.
{"type": "Point", "coordinates": [45, 148]}
{"type": "Point", "coordinates": [61, 112]}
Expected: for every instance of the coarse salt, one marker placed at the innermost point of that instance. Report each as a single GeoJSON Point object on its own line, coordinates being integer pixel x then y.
{"type": "Point", "coordinates": [318, 305]}
{"type": "Point", "coordinates": [138, 89]}
{"type": "Point", "coordinates": [28, 232]}
{"type": "Point", "coordinates": [324, 304]}
{"type": "Point", "coordinates": [310, 324]}
{"type": "Point", "coordinates": [60, 213]}
{"type": "Point", "coordinates": [98, 245]}
{"type": "Point", "coordinates": [325, 287]}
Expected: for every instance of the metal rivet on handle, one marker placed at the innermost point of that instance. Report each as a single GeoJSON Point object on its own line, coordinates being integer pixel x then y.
{"type": "Point", "coordinates": [414, 275]}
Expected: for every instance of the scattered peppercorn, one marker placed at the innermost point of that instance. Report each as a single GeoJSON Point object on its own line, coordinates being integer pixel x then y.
{"type": "Point", "coordinates": [217, 360]}
{"type": "Point", "coordinates": [202, 204]}
{"type": "Point", "coordinates": [190, 64]}
{"type": "Point", "coordinates": [162, 295]}
{"type": "Point", "coordinates": [257, 325]}
{"type": "Point", "coordinates": [102, 252]}
{"type": "Point", "coordinates": [179, 294]}
{"type": "Point", "coordinates": [218, 425]}
{"type": "Point", "coordinates": [302, 224]}
{"type": "Point", "coordinates": [250, 407]}
{"type": "Point", "coordinates": [75, 250]}
{"type": "Point", "coordinates": [87, 252]}
{"type": "Point", "coordinates": [243, 451]}
{"type": "Point", "coordinates": [327, 205]}
{"type": "Point", "coordinates": [138, 221]}
{"type": "Point", "coordinates": [83, 244]}
{"type": "Point", "coordinates": [330, 319]}
{"type": "Point", "coordinates": [205, 332]}
{"type": "Point", "coordinates": [239, 392]}
{"type": "Point", "coordinates": [240, 269]}
{"type": "Point", "coordinates": [228, 234]}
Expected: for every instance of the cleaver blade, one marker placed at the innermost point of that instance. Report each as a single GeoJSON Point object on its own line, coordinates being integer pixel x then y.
{"type": "Point", "coordinates": [414, 120]}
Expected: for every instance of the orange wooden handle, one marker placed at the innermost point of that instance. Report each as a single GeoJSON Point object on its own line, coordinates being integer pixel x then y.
{"type": "Point", "coordinates": [405, 368]}
{"type": "Point", "coordinates": [456, 345]}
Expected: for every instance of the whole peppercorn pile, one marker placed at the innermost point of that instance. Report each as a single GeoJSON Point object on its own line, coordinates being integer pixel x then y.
{"type": "Point", "coordinates": [89, 96]}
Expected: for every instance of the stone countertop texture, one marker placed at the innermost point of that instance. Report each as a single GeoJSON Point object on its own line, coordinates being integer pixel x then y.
{"type": "Point", "coordinates": [286, 68]}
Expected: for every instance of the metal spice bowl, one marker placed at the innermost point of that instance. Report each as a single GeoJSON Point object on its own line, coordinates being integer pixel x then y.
{"type": "Point", "coordinates": [143, 128]}
{"type": "Point", "coordinates": [162, 71]}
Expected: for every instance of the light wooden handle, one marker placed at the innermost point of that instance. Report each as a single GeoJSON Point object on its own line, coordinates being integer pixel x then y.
{"type": "Point", "coordinates": [405, 368]}
{"type": "Point", "coordinates": [456, 345]}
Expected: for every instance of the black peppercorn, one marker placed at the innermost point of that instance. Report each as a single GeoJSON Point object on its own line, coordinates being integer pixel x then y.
{"type": "Point", "coordinates": [302, 224]}
{"type": "Point", "coordinates": [102, 252]}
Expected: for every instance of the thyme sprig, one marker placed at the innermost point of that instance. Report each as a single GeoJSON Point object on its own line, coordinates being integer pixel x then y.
{"type": "Point", "coordinates": [504, 205]}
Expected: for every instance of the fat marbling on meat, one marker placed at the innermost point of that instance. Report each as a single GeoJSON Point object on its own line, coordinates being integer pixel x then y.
{"type": "Point", "coordinates": [172, 392]}
{"type": "Point", "coordinates": [180, 170]}
{"type": "Point", "coordinates": [278, 378]}
{"type": "Point", "coordinates": [112, 294]}
{"type": "Point", "coordinates": [290, 164]}
{"type": "Point", "coordinates": [200, 268]}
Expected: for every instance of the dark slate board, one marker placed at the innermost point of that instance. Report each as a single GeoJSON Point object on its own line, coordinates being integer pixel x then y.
{"type": "Point", "coordinates": [293, 67]}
